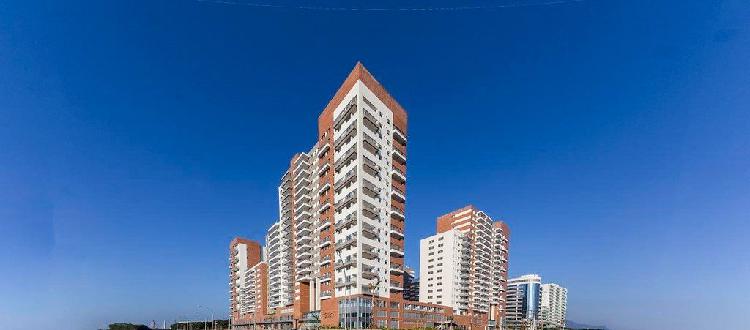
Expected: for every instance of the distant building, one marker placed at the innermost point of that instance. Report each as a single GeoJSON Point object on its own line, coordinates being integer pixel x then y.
{"type": "Point", "coordinates": [411, 285]}
{"type": "Point", "coordinates": [464, 266]}
{"type": "Point", "coordinates": [244, 255]}
{"type": "Point", "coordinates": [553, 306]}
{"type": "Point", "coordinates": [524, 298]}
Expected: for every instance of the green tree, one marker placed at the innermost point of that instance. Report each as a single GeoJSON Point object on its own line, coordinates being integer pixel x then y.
{"type": "Point", "coordinates": [128, 326]}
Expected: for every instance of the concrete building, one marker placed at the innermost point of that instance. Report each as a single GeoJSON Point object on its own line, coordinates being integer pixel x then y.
{"type": "Point", "coordinates": [523, 301]}
{"type": "Point", "coordinates": [244, 255]}
{"type": "Point", "coordinates": [553, 306]}
{"type": "Point", "coordinates": [335, 257]}
{"type": "Point", "coordinates": [464, 266]}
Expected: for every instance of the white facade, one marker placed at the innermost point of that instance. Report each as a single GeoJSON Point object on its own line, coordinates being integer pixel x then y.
{"type": "Point", "coordinates": [444, 270]}
{"type": "Point", "coordinates": [363, 132]}
{"type": "Point", "coordinates": [239, 261]}
{"type": "Point", "coordinates": [280, 280]}
{"type": "Point", "coordinates": [554, 305]}
{"type": "Point", "coordinates": [363, 128]}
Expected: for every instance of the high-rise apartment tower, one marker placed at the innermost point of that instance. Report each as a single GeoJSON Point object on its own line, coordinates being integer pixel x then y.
{"type": "Point", "coordinates": [335, 256]}
{"type": "Point", "coordinates": [553, 306]}
{"type": "Point", "coordinates": [465, 265]}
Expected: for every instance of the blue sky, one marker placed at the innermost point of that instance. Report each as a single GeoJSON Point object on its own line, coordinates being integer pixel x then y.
{"type": "Point", "coordinates": [138, 137]}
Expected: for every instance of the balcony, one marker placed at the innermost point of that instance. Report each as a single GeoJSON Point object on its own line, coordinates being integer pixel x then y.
{"type": "Point", "coordinates": [345, 223]}
{"type": "Point", "coordinates": [369, 231]}
{"type": "Point", "coordinates": [397, 251]}
{"type": "Point", "coordinates": [370, 192]}
{"type": "Point", "coordinates": [303, 223]}
{"type": "Point", "coordinates": [397, 175]}
{"type": "Point", "coordinates": [345, 115]}
{"type": "Point", "coordinates": [303, 172]}
{"type": "Point", "coordinates": [344, 243]}
{"type": "Point", "coordinates": [369, 116]}
{"type": "Point", "coordinates": [325, 242]}
{"type": "Point", "coordinates": [323, 169]}
{"type": "Point", "coordinates": [349, 178]}
{"type": "Point", "coordinates": [351, 133]}
{"type": "Point", "coordinates": [344, 203]}
{"type": "Point", "coordinates": [325, 188]}
{"type": "Point", "coordinates": [397, 232]}
{"type": "Point", "coordinates": [303, 239]}
{"type": "Point", "coordinates": [304, 190]}
{"type": "Point", "coordinates": [324, 225]}
{"type": "Point", "coordinates": [400, 148]}
{"type": "Point", "coordinates": [328, 294]}
{"type": "Point", "coordinates": [302, 207]}
{"type": "Point", "coordinates": [396, 213]}
{"type": "Point", "coordinates": [343, 264]}
{"type": "Point", "coordinates": [398, 195]}
{"type": "Point", "coordinates": [369, 211]}
{"type": "Point", "coordinates": [323, 149]}
{"type": "Point", "coordinates": [304, 232]}
{"type": "Point", "coordinates": [301, 161]}
{"type": "Point", "coordinates": [302, 182]}
{"type": "Point", "coordinates": [325, 206]}
{"type": "Point", "coordinates": [398, 156]}
{"type": "Point", "coordinates": [344, 283]}
{"type": "Point", "coordinates": [371, 146]}
{"type": "Point", "coordinates": [287, 191]}
{"type": "Point", "coordinates": [369, 252]}
{"type": "Point", "coordinates": [302, 198]}
{"type": "Point", "coordinates": [397, 269]}
{"type": "Point", "coordinates": [399, 136]}
{"type": "Point", "coordinates": [302, 217]}
{"type": "Point", "coordinates": [348, 157]}
{"type": "Point", "coordinates": [369, 273]}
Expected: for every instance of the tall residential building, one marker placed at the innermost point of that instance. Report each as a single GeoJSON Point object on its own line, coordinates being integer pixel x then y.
{"type": "Point", "coordinates": [554, 305]}
{"type": "Point", "coordinates": [464, 266]}
{"type": "Point", "coordinates": [244, 255]}
{"type": "Point", "coordinates": [524, 298]}
{"type": "Point", "coordinates": [342, 204]}
{"type": "Point", "coordinates": [335, 257]}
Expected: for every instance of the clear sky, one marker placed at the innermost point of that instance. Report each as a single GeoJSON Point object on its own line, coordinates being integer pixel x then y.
{"type": "Point", "coordinates": [138, 137]}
